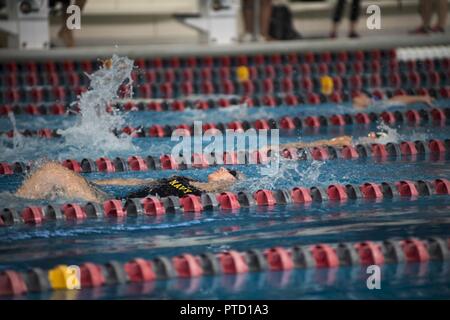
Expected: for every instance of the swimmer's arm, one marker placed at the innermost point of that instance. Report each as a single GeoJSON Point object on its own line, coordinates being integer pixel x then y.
{"type": "Point", "coordinates": [212, 186]}
{"type": "Point", "coordinates": [412, 99]}
{"type": "Point", "coordinates": [123, 182]}
{"type": "Point", "coordinates": [337, 142]}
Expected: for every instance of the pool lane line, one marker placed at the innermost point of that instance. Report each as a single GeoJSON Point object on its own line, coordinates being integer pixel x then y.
{"type": "Point", "coordinates": [156, 206]}
{"type": "Point", "coordinates": [253, 92]}
{"type": "Point", "coordinates": [181, 105]}
{"type": "Point", "coordinates": [90, 275]}
{"type": "Point", "coordinates": [432, 150]}
{"type": "Point", "coordinates": [412, 117]}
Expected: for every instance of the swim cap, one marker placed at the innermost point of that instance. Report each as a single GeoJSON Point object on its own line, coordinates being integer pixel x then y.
{"type": "Point", "coordinates": [237, 174]}
{"type": "Point", "coordinates": [377, 135]}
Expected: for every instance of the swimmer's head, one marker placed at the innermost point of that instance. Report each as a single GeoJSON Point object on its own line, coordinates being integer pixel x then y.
{"type": "Point", "coordinates": [107, 63]}
{"type": "Point", "coordinates": [376, 135]}
{"type": "Point", "coordinates": [223, 174]}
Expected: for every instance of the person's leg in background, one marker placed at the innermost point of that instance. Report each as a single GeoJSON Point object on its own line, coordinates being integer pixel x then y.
{"type": "Point", "coordinates": [426, 11]}
{"type": "Point", "coordinates": [337, 17]}
{"type": "Point", "coordinates": [355, 11]}
{"type": "Point", "coordinates": [266, 14]}
{"type": "Point", "coordinates": [64, 33]}
{"type": "Point", "coordinates": [248, 17]}
{"type": "Point", "coordinates": [442, 11]}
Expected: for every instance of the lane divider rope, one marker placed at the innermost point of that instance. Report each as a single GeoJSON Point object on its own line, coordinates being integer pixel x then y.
{"type": "Point", "coordinates": [435, 116]}
{"type": "Point", "coordinates": [188, 265]}
{"type": "Point", "coordinates": [156, 206]}
{"type": "Point", "coordinates": [180, 105]}
{"type": "Point", "coordinates": [433, 150]}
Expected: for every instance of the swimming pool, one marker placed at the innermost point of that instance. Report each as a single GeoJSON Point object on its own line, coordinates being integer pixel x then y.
{"type": "Point", "coordinates": [419, 211]}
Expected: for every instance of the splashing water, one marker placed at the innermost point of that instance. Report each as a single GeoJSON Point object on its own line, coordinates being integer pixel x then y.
{"type": "Point", "coordinates": [17, 136]}
{"type": "Point", "coordinates": [94, 129]}
{"type": "Point", "coordinates": [290, 173]}
{"type": "Point", "coordinates": [391, 135]}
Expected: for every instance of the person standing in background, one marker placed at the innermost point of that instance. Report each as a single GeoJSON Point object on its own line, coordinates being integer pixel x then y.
{"type": "Point", "coordinates": [354, 16]}
{"type": "Point", "coordinates": [248, 12]}
{"type": "Point", "coordinates": [426, 9]}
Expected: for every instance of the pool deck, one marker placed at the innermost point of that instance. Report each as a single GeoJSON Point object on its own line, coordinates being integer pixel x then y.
{"type": "Point", "coordinates": [152, 50]}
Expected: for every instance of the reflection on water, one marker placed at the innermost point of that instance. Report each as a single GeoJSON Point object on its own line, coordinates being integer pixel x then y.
{"type": "Point", "coordinates": [398, 281]}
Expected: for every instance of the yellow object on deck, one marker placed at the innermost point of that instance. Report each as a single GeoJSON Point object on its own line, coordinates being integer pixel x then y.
{"type": "Point", "coordinates": [326, 85]}
{"type": "Point", "coordinates": [242, 73]}
{"type": "Point", "coordinates": [65, 277]}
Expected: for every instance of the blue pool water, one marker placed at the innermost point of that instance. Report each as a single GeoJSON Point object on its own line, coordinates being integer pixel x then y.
{"type": "Point", "coordinates": [64, 242]}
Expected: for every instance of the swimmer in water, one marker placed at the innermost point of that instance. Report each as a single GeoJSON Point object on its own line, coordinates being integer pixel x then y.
{"type": "Point", "coordinates": [52, 180]}
{"type": "Point", "coordinates": [337, 142]}
{"type": "Point", "coordinates": [363, 101]}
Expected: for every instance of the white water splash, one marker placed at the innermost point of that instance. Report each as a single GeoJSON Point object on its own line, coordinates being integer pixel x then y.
{"type": "Point", "coordinates": [17, 136]}
{"type": "Point", "coordinates": [290, 173]}
{"type": "Point", "coordinates": [391, 135]}
{"type": "Point", "coordinates": [94, 129]}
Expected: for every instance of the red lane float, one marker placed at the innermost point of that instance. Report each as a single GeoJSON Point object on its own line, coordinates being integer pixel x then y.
{"type": "Point", "coordinates": [235, 125]}
{"type": "Point", "coordinates": [337, 120]}
{"type": "Point", "coordinates": [12, 283]}
{"type": "Point", "coordinates": [362, 118]}
{"type": "Point", "coordinates": [73, 211]}
{"type": "Point", "coordinates": [139, 270]}
{"type": "Point", "coordinates": [156, 131]}
{"type": "Point", "coordinates": [442, 186]}
{"type": "Point", "coordinates": [312, 121]}
{"type": "Point", "coordinates": [264, 198]}
{"type": "Point", "coordinates": [5, 169]}
{"type": "Point", "coordinates": [91, 275]}
{"type": "Point", "coordinates": [153, 206]}
{"type": "Point", "coordinates": [319, 153]}
{"type": "Point", "coordinates": [337, 192]}
{"type": "Point", "coordinates": [369, 253]}
{"type": "Point", "coordinates": [438, 115]}
{"type": "Point", "coordinates": [436, 146]}
{"type": "Point", "coordinates": [228, 201]}
{"type": "Point", "coordinates": [301, 195]}
{"type": "Point", "coordinates": [136, 163]}
{"type": "Point", "coordinates": [415, 250]}
{"type": "Point", "coordinates": [287, 123]}
{"type": "Point", "coordinates": [187, 266]}
{"type": "Point", "coordinates": [113, 208]}
{"type": "Point", "coordinates": [32, 215]}
{"type": "Point", "coordinates": [388, 117]}
{"type": "Point", "coordinates": [279, 259]}
{"type": "Point", "coordinates": [413, 116]}
{"type": "Point", "coordinates": [191, 203]}
{"type": "Point", "coordinates": [105, 165]}
{"type": "Point", "coordinates": [168, 162]}
{"type": "Point", "coordinates": [73, 165]}
{"type": "Point", "coordinates": [232, 262]}
{"type": "Point", "coordinates": [407, 188]}
{"type": "Point", "coordinates": [371, 191]}
{"type": "Point", "coordinates": [408, 148]}
{"type": "Point", "coordinates": [325, 256]}
{"type": "Point", "coordinates": [379, 151]}
{"type": "Point", "coordinates": [349, 152]}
